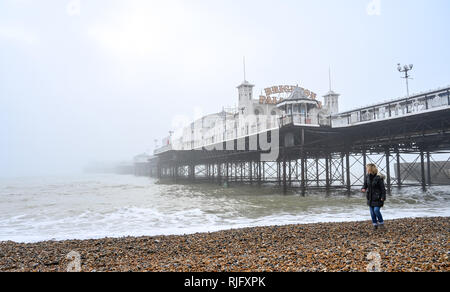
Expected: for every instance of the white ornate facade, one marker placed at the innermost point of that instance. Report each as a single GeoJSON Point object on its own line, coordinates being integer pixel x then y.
{"type": "Point", "coordinates": [254, 116]}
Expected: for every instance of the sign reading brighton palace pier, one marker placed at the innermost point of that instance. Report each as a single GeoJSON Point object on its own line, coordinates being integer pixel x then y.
{"type": "Point", "coordinates": [268, 99]}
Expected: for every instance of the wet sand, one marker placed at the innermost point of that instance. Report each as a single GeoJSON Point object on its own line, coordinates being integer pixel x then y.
{"type": "Point", "coordinates": [406, 245]}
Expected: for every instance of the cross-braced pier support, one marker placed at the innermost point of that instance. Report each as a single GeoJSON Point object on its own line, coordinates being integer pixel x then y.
{"type": "Point", "coordinates": [345, 170]}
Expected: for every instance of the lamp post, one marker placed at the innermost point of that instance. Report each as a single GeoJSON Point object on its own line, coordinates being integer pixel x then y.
{"type": "Point", "coordinates": [224, 124]}
{"type": "Point", "coordinates": [405, 69]}
{"type": "Point", "coordinates": [170, 137]}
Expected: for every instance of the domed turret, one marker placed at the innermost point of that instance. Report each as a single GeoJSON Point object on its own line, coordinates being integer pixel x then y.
{"type": "Point", "coordinates": [300, 107]}
{"type": "Point", "coordinates": [332, 102]}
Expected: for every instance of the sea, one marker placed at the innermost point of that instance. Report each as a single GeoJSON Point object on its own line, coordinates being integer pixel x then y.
{"type": "Point", "coordinates": [92, 206]}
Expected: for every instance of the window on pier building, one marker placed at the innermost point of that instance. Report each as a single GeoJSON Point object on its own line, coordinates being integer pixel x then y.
{"type": "Point", "coordinates": [302, 110]}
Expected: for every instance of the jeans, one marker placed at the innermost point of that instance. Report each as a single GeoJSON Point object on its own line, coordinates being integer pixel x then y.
{"type": "Point", "coordinates": [377, 218]}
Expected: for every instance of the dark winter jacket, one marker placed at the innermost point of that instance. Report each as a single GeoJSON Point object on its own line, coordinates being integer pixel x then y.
{"type": "Point", "coordinates": [375, 190]}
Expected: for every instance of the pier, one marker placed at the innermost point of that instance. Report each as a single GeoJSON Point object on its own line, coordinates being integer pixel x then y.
{"type": "Point", "coordinates": [408, 139]}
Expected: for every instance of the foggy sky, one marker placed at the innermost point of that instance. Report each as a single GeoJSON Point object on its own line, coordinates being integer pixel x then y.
{"type": "Point", "coordinates": [102, 80]}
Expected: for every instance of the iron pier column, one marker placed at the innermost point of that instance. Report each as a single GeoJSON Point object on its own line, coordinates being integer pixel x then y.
{"type": "Point", "coordinates": [250, 166]}
{"type": "Point", "coordinates": [317, 172]}
{"type": "Point", "coordinates": [228, 173]}
{"type": "Point", "coordinates": [290, 172]}
{"type": "Point", "coordinates": [259, 171]}
{"type": "Point", "coordinates": [429, 168]}
{"type": "Point", "coordinates": [279, 173]}
{"type": "Point", "coordinates": [399, 169]}
{"type": "Point", "coordinates": [365, 163]}
{"type": "Point", "coordinates": [388, 169]}
{"type": "Point", "coordinates": [303, 166]}
{"type": "Point", "coordinates": [284, 175]}
{"type": "Point", "coordinates": [347, 162]}
{"type": "Point", "coordinates": [327, 173]}
{"type": "Point", "coordinates": [219, 173]}
{"type": "Point", "coordinates": [422, 169]}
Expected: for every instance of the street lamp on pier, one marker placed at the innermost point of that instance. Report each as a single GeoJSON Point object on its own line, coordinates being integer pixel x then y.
{"type": "Point", "coordinates": [405, 69]}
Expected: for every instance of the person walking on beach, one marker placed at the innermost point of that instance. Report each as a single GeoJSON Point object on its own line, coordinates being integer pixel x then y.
{"type": "Point", "coordinates": [376, 194]}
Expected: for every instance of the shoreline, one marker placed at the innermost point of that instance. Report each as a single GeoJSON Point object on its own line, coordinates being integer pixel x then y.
{"type": "Point", "coordinates": [412, 244]}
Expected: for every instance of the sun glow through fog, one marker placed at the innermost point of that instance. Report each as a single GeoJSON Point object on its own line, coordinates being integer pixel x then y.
{"type": "Point", "coordinates": [147, 31]}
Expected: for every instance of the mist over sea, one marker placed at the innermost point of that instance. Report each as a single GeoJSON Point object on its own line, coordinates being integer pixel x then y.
{"type": "Point", "coordinates": [96, 206]}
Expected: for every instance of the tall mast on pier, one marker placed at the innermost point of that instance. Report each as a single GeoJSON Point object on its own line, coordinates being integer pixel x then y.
{"type": "Point", "coordinates": [331, 98]}
{"type": "Point", "coordinates": [329, 77]}
{"type": "Point", "coordinates": [245, 77]}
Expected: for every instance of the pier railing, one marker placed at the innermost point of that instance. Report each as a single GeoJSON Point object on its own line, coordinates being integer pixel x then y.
{"type": "Point", "coordinates": [305, 120]}
{"type": "Point", "coordinates": [421, 103]}
{"type": "Point", "coordinates": [163, 149]}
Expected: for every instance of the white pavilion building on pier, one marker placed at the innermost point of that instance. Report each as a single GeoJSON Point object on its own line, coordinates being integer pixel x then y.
{"type": "Point", "coordinates": [281, 105]}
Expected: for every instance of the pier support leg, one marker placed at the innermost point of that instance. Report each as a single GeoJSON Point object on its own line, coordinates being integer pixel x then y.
{"type": "Point", "coordinates": [388, 170]}
{"type": "Point", "coordinates": [330, 169]}
{"type": "Point", "coordinates": [365, 163]}
{"type": "Point", "coordinates": [305, 166]}
{"type": "Point", "coordinates": [279, 173]}
{"type": "Point", "coordinates": [429, 168]}
{"type": "Point", "coordinates": [303, 170]}
{"type": "Point", "coordinates": [242, 172]}
{"type": "Point", "coordinates": [347, 162]}
{"type": "Point", "coordinates": [284, 176]}
{"type": "Point", "coordinates": [250, 167]}
{"type": "Point", "coordinates": [259, 171]}
{"type": "Point", "coordinates": [327, 173]}
{"type": "Point", "coordinates": [422, 169]}
{"type": "Point", "coordinates": [399, 169]}
{"type": "Point", "coordinates": [290, 172]}
{"type": "Point", "coordinates": [159, 170]}
{"type": "Point", "coordinates": [219, 173]}
{"type": "Point", "coordinates": [227, 174]}
{"type": "Point", "coordinates": [264, 170]}
{"type": "Point", "coordinates": [317, 172]}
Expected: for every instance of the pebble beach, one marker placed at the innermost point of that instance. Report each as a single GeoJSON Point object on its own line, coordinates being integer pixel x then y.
{"type": "Point", "coordinates": [407, 245]}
